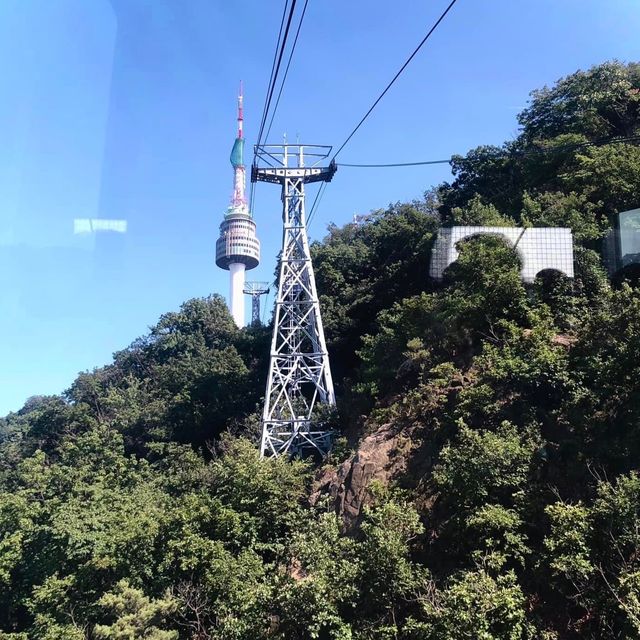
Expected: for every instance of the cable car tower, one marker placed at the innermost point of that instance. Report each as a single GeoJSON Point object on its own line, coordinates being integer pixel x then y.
{"type": "Point", "coordinates": [255, 290]}
{"type": "Point", "coordinates": [299, 379]}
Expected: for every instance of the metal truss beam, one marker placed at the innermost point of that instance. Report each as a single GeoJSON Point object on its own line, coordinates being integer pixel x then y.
{"type": "Point", "coordinates": [299, 379]}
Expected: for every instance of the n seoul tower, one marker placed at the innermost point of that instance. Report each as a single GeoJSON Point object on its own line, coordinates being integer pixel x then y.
{"type": "Point", "coordinates": [238, 248]}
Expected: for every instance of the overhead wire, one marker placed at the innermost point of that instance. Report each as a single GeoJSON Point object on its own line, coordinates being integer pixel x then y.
{"type": "Point", "coordinates": [275, 68]}
{"type": "Point", "coordinates": [394, 164]}
{"type": "Point", "coordinates": [379, 98]}
{"type": "Point", "coordinates": [373, 106]}
{"type": "Point", "coordinates": [275, 71]}
{"type": "Point", "coordinates": [497, 154]}
{"type": "Point", "coordinates": [502, 153]}
{"type": "Point", "coordinates": [316, 202]}
{"type": "Point", "coordinates": [275, 57]}
{"type": "Point", "coordinates": [402, 68]}
{"type": "Point", "coordinates": [286, 71]}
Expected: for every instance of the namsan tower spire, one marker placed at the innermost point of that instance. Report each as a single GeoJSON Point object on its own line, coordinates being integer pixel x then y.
{"type": "Point", "coordinates": [238, 248]}
{"type": "Point", "coordinates": [240, 115]}
{"type": "Point", "coordinates": [239, 199]}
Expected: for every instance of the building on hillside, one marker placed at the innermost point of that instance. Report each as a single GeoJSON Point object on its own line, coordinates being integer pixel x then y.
{"type": "Point", "coordinates": [539, 248]}
{"type": "Point", "coordinates": [622, 244]}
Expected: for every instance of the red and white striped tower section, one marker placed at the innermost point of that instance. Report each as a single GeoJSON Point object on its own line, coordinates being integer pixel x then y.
{"type": "Point", "coordinates": [238, 247]}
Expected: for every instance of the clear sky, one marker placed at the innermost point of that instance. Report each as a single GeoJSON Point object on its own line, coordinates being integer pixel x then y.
{"type": "Point", "coordinates": [125, 110]}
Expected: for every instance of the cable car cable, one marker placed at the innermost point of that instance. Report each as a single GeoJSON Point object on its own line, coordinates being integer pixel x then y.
{"type": "Point", "coordinates": [402, 68]}
{"type": "Point", "coordinates": [502, 153]}
{"type": "Point", "coordinates": [373, 106]}
{"type": "Point", "coordinates": [277, 70]}
{"type": "Point", "coordinates": [286, 71]}
{"type": "Point", "coordinates": [316, 202]}
{"type": "Point", "coordinates": [268, 93]}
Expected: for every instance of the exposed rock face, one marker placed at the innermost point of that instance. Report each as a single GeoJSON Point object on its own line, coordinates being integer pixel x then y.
{"type": "Point", "coordinates": [560, 339]}
{"type": "Point", "coordinates": [381, 456]}
{"type": "Point", "coordinates": [404, 450]}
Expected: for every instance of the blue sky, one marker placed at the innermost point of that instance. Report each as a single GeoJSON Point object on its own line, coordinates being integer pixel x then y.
{"type": "Point", "coordinates": [125, 109]}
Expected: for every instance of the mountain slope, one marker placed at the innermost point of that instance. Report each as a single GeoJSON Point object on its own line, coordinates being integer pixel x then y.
{"type": "Point", "coordinates": [485, 478]}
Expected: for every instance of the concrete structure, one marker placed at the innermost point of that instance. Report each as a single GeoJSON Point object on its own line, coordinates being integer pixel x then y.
{"type": "Point", "coordinates": [622, 244]}
{"type": "Point", "coordinates": [238, 248]}
{"type": "Point", "coordinates": [299, 378]}
{"type": "Point", "coordinates": [539, 248]}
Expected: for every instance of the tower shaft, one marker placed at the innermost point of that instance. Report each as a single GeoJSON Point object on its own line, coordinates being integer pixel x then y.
{"type": "Point", "coordinates": [299, 378]}
{"type": "Point", "coordinates": [236, 294]}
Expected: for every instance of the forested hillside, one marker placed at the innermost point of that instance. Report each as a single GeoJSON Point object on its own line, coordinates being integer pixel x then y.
{"type": "Point", "coordinates": [484, 483]}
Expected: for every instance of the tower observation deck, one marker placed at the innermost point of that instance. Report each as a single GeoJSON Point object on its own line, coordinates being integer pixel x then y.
{"type": "Point", "coordinates": [238, 247]}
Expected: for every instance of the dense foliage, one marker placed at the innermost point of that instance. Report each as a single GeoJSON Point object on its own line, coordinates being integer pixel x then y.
{"type": "Point", "coordinates": [135, 505]}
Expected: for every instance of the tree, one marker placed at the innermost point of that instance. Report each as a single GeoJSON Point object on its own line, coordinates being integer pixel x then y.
{"type": "Point", "coordinates": [475, 605]}
{"type": "Point", "coordinates": [602, 102]}
{"type": "Point", "coordinates": [362, 269]}
{"type": "Point", "coordinates": [135, 615]}
{"type": "Point", "coordinates": [500, 420]}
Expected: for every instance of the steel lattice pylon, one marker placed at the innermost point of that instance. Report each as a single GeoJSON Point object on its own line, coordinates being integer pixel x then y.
{"type": "Point", "coordinates": [299, 377]}
{"type": "Point", "coordinates": [255, 290]}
